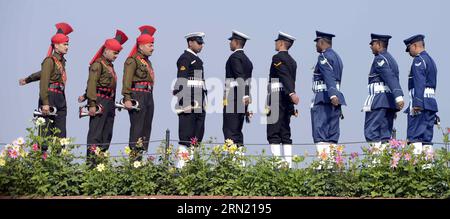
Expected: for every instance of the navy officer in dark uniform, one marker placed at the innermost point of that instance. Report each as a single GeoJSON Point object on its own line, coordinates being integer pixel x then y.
{"type": "Point", "coordinates": [191, 92]}
{"type": "Point", "coordinates": [237, 89]}
{"type": "Point", "coordinates": [282, 98]}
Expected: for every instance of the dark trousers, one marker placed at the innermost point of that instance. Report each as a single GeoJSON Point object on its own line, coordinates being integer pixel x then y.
{"type": "Point", "coordinates": [232, 127]}
{"type": "Point", "coordinates": [57, 100]}
{"type": "Point", "coordinates": [100, 129]}
{"type": "Point", "coordinates": [420, 127]}
{"type": "Point", "coordinates": [141, 122]}
{"type": "Point", "coordinates": [325, 123]}
{"type": "Point", "coordinates": [379, 124]}
{"type": "Point", "coordinates": [278, 129]}
{"type": "Point", "coordinates": [191, 125]}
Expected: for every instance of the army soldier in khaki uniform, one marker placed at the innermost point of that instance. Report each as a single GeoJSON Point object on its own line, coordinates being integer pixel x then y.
{"type": "Point", "coordinates": [101, 90]}
{"type": "Point", "coordinates": [138, 80]}
{"type": "Point", "coordinates": [53, 80]}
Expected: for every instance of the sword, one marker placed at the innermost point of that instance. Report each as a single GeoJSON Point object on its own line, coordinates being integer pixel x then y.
{"type": "Point", "coordinates": [188, 108]}
{"type": "Point", "coordinates": [38, 112]}
{"type": "Point", "coordinates": [121, 105]}
{"type": "Point", "coordinates": [84, 110]}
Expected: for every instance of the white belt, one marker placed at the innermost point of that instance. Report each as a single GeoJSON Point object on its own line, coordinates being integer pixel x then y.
{"type": "Point", "coordinates": [195, 83]}
{"type": "Point", "coordinates": [374, 88]}
{"type": "Point", "coordinates": [234, 84]}
{"type": "Point", "coordinates": [276, 86]}
{"type": "Point", "coordinates": [319, 86]}
{"type": "Point", "coordinates": [429, 92]}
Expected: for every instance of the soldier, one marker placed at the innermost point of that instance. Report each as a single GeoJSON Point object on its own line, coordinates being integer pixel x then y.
{"type": "Point", "coordinates": [237, 89]}
{"type": "Point", "coordinates": [191, 92]}
{"type": "Point", "coordinates": [326, 104]}
{"type": "Point", "coordinates": [138, 81]}
{"type": "Point", "coordinates": [385, 94]}
{"type": "Point", "coordinates": [101, 90]}
{"type": "Point", "coordinates": [36, 77]}
{"type": "Point", "coordinates": [282, 97]}
{"type": "Point", "coordinates": [422, 88]}
{"type": "Point", "coordinates": [53, 80]}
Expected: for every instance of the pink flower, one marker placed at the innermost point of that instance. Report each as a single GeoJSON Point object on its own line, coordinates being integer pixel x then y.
{"type": "Point", "coordinates": [35, 147]}
{"type": "Point", "coordinates": [354, 155]}
{"type": "Point", "coordinates": [395, 143]}
{"type": "Point", "coordinates": [448, 130]}
{"type": "Point", "coordinates": [397, 156]}
{"type": "Point", "coordinates": [394, 163]}
{"type": "Point", "coordinates": [13, 153]}
{"type": "Point", "coordinates": [339, 160]}
{"type": "Point", "coordinates": [93, 148]}
{"type": "Point", "coordinates": [151, 158]}
{"type": "Point", "coordinates": [44, 156]}
{"type": "Point", "coordinates": [407, 157]}
{"type": "Point", "coordinates": [194, 141]}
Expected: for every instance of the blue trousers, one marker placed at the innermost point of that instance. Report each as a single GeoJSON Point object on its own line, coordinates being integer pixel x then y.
{"type": "Point", "coordinates": [420, 126]}
{"type": "Point", "coordinates": [325, 123]}
{"type": "Point", "coordinates": [379, 124]}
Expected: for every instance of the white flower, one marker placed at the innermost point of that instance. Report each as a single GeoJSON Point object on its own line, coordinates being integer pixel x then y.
{"type": "Point", "coordinates": [100, 167]}
{"type": "Point", "coordinates": [20, 141]}
{"type": "Point", "coordinates": [137, 164]}
{"type": "Point", "coordinates": [3, 154]}
{"type": "Point", "coordinates": [39, 121]}
{"type": "Point", "coordinates": [64, 152]}
{"type": "Point", "coordinates": [64, 141]}
{"type": "Point", "coordinates": [106, 154]}
{"type": "Point", "coordinates": [16, 147]}
{"type": "Point", "coordinates": [97, 151]}
{"type": "Point", "coordinates": [2, 162]}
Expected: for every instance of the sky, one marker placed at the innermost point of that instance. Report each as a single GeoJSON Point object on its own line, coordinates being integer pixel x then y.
{"type": "Point", "coordinates": [27, 26]}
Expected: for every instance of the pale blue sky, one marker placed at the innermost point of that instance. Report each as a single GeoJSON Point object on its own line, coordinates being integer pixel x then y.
{"type": "Point", "coordinates": [26, 27]}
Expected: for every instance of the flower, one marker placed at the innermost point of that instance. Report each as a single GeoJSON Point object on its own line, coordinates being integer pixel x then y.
{"type": "Point", "coordinates": [35, 147]}
{"type": "Point", "coordinates": [225, 148]}
{"type": "Point", "coordinates": [323, 155]}
{"type": "Point", "coordinates": [354, 155]}
{"type": "Point", "coordinates": [340, 148]}
{"type": "Point", "coordinates": [229, 142]}
{"type": "Point", "coordinates": [194, 141]}
{"type": "Point", "coordinates": [97, 151]}
{"type": "Point", "coordinates": [127, 150]}
{"type": "Point", "coordinates": [216, 149]}
{"type": "Point", "coordinates": [93, 148]}
{"type": "Point", "coordinates": [23, 153]}
{"type": "Point", "coordinates": [137, 164]}
{"type": "Point", "coordinates": [2, 162]}
{"type": "Point", "coordinates": [139, 143]}
{"type": "Point", "coordinates": [429, 154]}
{"type": "Point", "coordinates": [151, 158]}
{"type": "Point", "coordinates": [407, 156]}
{"type": "Point", "coordinates": [339, 160]}
{"type": "Point", "coordinates": [448, 130]}
{"type": "Point", "coordinates": [395, 158]}
{"type": "Point", "coordinates": [106, 154]}
{"type": "Point", "coordinates": [232, 149]}
{"type": "Point", "coordinates": [64, 152]}
{"type": "Point", "coordinates": [395, 143]}
{"type": "Point", "coordinates": [100, 168]}
{"type": "Point", "coordinates": [297, 159]}
{"type": "Point", "coordinates": [39, 121]}
{"type": "Point", "coordinates": [184, 155]}
{"type": "Point", "coordinates": [44, 156]}
{"type": "Point", "coordinates": [64, 141]}
{"type": "Point", "coordinates": [3, 154]}
{"type": "Point", "coordinates": [13, 153]}
{"type": "Point", "coordinates": [19, 141]}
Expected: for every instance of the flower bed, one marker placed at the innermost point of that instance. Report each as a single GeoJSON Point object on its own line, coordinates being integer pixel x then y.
{"type": "Point", "coordinates": [395, 171]}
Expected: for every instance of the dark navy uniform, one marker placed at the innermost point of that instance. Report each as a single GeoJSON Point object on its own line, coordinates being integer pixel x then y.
{"type": "Point", "coordinates": [422, 86]}
{"type": "Point", "coordinates": [281, 83]}
{"type": "Point", "coordinates": [326, 84]}
{"type": "Point", "coordinates": [384, 91]}
{"type": "Point", "coordinates": [237, 87]}
{"type": "Point", "coordinates": [190, 87]}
